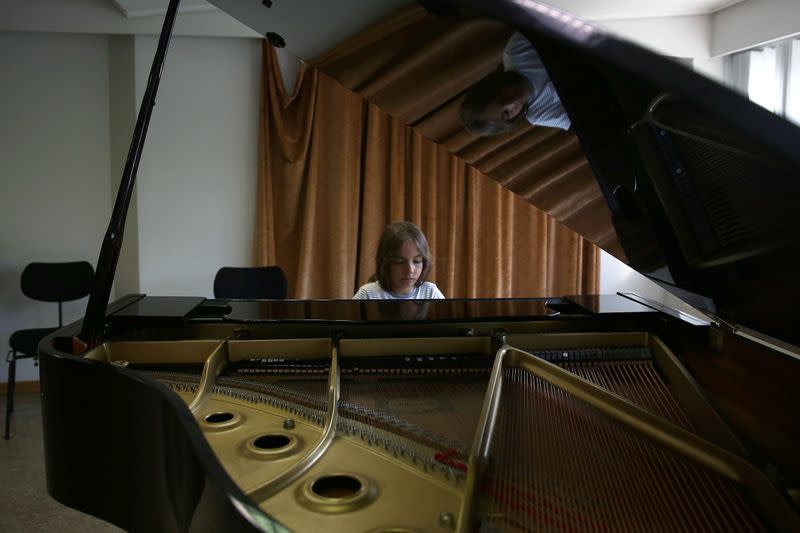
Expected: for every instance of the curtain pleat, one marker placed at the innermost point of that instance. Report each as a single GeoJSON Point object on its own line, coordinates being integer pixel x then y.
{"type": "Point", "coordinates": [336, 168]}
{"type": "Point", "coordinates": [416, 67]}
{"type": "Point", "coordinates": [309, 182]}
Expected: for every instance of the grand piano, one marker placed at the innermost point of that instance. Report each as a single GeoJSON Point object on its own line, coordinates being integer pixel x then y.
{"type": "Point", "coordinates": [571, 413]}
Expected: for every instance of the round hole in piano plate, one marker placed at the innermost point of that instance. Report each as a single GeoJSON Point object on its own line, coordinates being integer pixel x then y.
{"type": "Point", "coordinates": [220, 421]}
{"type": "Point", "coordinates": [272, 445]}
{"type": "Point", "coordinates": [219, 418]}
{"type": "Point", "coordinates": [341, 486]}
{"type": "Point", "coordinates": [272, 442]}
{"type": "Point", "coordinates": [336, 493]}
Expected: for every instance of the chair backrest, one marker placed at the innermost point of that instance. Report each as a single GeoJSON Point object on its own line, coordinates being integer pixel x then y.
{"type": "Point", "coordinates": [239, 283]}
{"type": "Point", "coordinates": [57, 282]}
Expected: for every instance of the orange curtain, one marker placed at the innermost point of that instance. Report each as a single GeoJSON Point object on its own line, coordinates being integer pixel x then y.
{"type": "Point", "coordinates": [335, 169]}
{"type": "Point", "coordinates": [416, 67]}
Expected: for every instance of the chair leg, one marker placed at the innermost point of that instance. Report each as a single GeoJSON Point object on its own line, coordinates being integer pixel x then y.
{"type": "Point", "coordinates": [12, 379]}
{"type": "Point", "coordinates": [12, 375]}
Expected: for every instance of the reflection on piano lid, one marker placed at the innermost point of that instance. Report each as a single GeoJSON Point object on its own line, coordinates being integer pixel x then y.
{"type": "Point", "coordinates": [160, 310]}
{"type": "Point", "coordinates": [570, 413]}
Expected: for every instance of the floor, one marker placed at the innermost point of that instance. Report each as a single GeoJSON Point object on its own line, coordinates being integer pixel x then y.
{"type": "Point", "coordinates": [25, 505]}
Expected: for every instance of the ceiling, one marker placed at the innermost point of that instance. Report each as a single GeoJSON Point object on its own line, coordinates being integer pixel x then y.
{"type": "Point", "coordinates": [585, 9]}
{"type": "Point", "coordinates": [335, 20]}
{"type": "Point", "coordinates": [147, 8]}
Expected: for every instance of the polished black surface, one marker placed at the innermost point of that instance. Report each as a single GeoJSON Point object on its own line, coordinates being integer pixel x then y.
{"type": "Point", "coordinates": [162, 307]}
{"type": "Point", "coordinates": [609, 303]}
{"type": "Point", "coordinates": [450, 310]}
{"type": "Point", "coordinates": [122, 447]}
{"type": "Point", "coordinates": [158, 309]}
{"type": "Point", "coordinates": [387, 310]}
{"type": "Point", "coordinates": [700, 181]}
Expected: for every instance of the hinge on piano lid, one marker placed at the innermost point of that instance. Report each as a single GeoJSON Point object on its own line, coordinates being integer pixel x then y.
{"type": "Point", "coordinates": [765, 340]}
{"type": "Point", "coordinates": [710, 319]}
{"type": "Point", "coordinates": [759, 338]}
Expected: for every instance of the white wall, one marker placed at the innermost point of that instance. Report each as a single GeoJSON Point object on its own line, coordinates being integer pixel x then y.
{"type": "Point", "coordinates": [684, 36]}
{"type": "Point", "coordinates": [752, 23]}
{"type": "Point", "coordinates": [743, 25]}
{"type": "Point", "coordinates": [616, 276]}
{"type": "Point", "coordinates": [68, 103]}
{"type": "Point", "coordinates": [54, 163]}
{"type": "Point", "coordinates": [122, 119]}
{"type": "Point", "coordinates": [290, 66]}
{"type": "Point", "coordinates": [102, 17]}
{"type": "Point", "coordinates": [197, 177]}
{"type": "Point", "coordinates": [711, 67]}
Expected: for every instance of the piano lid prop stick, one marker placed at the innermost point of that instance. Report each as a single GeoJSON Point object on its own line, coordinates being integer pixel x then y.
{"type": "Point", "coordinates": [93, 321]}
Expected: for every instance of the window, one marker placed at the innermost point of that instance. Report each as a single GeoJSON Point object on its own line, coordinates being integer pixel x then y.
{"type": "Point", "coordinates": [769, 76]}
{"type": "Point", "coordinates": [792, 94]}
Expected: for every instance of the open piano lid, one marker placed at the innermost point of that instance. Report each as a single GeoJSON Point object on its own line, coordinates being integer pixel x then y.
{"type": "Point", "coordinates": [700, 182]}
{"type": "Point", "coordinates": [630, 131]}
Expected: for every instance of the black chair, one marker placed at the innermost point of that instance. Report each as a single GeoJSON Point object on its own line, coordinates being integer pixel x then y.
{"type": "Point", "coordinates": [258, 283]}
{"type": "Point", "coordinates": [46, 282]}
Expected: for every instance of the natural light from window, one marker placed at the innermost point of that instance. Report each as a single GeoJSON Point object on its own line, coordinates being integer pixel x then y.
{"type": "Point", "coordinates": [763, 87]}
{"type": "Point", "coordinates": [769, 76]}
